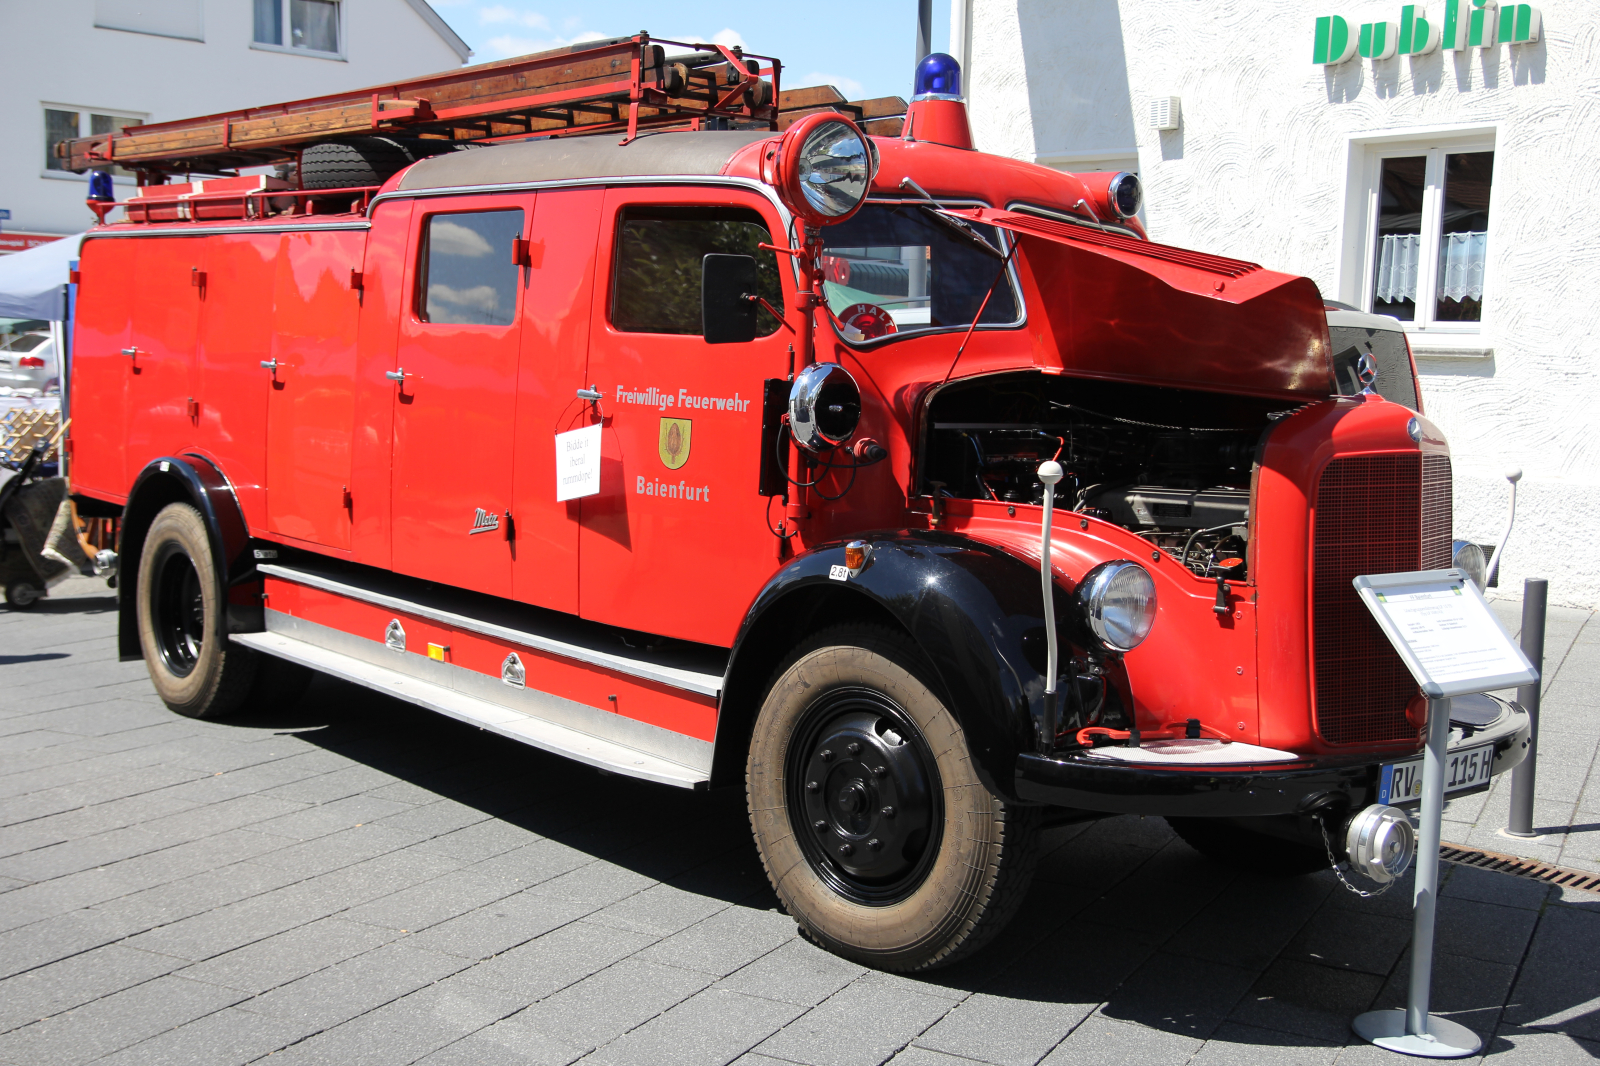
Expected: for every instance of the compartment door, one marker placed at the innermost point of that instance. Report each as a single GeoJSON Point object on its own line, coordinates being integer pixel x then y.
{"type": "Point", "coordinates": [455, 405]}
{"type": "Point", "coordinates": [100, 372]}
{"type": "Point", "coordinates": [168, 300]}
{"type": "Point", "coordinates": [310, 403]}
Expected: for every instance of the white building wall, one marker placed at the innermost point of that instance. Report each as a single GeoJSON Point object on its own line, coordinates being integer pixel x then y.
{"type": "Point", "coordinates": [55, 54]}
{"type": "Point", "coordinates": [1265, 167]}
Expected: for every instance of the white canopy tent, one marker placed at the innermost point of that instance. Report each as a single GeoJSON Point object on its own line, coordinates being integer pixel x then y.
{"type": "Point", "coordinates": [33, 284]}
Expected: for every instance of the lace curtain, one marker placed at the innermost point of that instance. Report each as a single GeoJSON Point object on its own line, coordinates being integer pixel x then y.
{"type": "Point", "coordinates": [1461, 257]}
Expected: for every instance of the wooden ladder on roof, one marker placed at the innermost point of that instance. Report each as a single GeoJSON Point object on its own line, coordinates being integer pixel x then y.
{"type": "Point", "coordinates": [627, 84]}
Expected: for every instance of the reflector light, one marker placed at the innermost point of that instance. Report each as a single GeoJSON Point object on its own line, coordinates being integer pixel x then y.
{"type": "Point", "coordinates": [31, 360]}
{"type": "Point", "coordinates": [938, 77]}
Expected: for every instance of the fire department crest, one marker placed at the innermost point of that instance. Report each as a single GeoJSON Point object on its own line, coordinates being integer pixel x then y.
{"type": "Point", "coordinates": [675, 442]}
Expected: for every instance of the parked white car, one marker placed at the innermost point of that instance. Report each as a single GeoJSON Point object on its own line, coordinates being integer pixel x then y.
{"type": "Point", "coordinates": [28, 361]}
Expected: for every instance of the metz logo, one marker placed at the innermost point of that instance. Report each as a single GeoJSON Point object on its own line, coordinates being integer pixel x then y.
{"type": "Point", "coordinates": [484, 521]}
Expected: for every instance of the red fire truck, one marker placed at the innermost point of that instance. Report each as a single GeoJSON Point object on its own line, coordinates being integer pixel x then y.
{"type": "Point", "coordinates": [750, 439]}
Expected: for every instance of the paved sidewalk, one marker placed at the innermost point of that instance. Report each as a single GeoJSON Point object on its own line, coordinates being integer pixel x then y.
{"type": "Point", "coordinates": [353, 881]}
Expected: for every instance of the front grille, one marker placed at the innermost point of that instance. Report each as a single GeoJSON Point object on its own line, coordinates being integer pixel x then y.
{"type": "Point", "coordinates": [1437, 516]}
{"type": "Point", "coordinates": [1370, 519]}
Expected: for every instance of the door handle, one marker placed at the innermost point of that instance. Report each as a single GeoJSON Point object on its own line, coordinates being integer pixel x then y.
{"type": "Point", "coordinates": [398, 375]}
{"type": "Point", "coordinates": [130, 352]}
{"type": "Point", "coordinates": [589, 394]}
{"type": "Point", "coordinates": [270, 364]}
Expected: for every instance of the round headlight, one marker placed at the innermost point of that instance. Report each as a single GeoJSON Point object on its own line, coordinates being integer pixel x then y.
{"type": "Point", "coordinates": [1118, 600]}
{"type": "Point", "coordinates": [1468, 557]}
{"type": "Point", "coordinates": [1125, 194]}
{"type": "Point", "coordinates": [825, 168]}
{"type": "Point", "coordinates": [824, 407]}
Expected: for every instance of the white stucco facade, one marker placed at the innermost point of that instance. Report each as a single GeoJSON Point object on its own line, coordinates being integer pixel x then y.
{"type": "Point", "coordinates": [1275, 161]}
{"type": "Point", "coordinates": [61, 56]}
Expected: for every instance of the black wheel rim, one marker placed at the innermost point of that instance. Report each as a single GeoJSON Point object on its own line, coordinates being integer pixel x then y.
{"type": "Point", "coordinates": [863, 796]}
{"type": "Point", "coordinates": [178, 611]}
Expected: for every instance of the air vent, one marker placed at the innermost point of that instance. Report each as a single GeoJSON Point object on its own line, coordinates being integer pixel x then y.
{"type": "Point", "coordinates": [1164, 113]}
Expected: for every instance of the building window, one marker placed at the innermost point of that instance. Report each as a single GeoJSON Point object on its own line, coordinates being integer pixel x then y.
{"type": "Point", "coordinates": [63, 124]}
{"type": "Point", "coordinates": [1430, 235]}
{"type": "Point", "coordinates": [301, 25]}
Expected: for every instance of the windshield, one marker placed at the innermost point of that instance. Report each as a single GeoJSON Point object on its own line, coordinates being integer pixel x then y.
{"type": "Point", "coordinates": [898, 260]}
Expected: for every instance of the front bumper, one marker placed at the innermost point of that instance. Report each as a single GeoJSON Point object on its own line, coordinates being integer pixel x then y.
{"type": "Point", "coordinates": [1287, 788]}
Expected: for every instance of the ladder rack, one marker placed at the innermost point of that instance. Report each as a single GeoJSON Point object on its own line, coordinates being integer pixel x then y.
{"type": "Point", "coordinates": [625, 85]}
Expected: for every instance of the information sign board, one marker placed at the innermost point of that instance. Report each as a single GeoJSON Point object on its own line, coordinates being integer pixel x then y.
{"type": "Point", "coordinates": [1445, 632]}
{"type": "Point", "coordinates": [578, 463]}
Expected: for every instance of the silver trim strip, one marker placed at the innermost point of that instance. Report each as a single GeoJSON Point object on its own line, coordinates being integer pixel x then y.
{"type": "Point", "coordinates": [203, 229]}
{"type": "Point", "coordinates": [672, 677]}
{"type": "Point", "coordinates": [761, 187]}
{"type": "Point", "coordinates": [594, 737]}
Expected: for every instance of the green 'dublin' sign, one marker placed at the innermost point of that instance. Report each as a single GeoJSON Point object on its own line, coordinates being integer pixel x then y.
{"type": "Point", "coordinates": [1466, 24]}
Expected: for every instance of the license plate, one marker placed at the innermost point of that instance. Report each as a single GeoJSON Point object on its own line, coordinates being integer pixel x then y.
{"type": "Point", "coordinates": [1401, 782]}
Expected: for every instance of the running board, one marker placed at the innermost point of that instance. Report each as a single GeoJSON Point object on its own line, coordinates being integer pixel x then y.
{"type": "Point", "coordinates": [610, 754]}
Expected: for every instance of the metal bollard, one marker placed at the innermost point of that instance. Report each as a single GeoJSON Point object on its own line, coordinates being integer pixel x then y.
{"type": "Point", "coordinates": [1535, 596]}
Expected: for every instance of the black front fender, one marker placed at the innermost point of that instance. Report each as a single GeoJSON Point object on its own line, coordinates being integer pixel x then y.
{"type": "Point", "coordinates": [974, 611]}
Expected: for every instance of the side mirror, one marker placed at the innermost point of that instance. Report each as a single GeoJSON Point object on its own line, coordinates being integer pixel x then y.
{"type": "Point", "coordinates": [728, 285]}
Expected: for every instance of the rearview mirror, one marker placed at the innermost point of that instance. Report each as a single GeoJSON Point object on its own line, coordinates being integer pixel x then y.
{"type": "Point", "coordinates": [728, 305]}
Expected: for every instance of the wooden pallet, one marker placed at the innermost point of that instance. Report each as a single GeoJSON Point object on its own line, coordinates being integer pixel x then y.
{"type": "Point", "coordinates": [21, 426]}
{"type": "Point", "coordinates": [626, 85]}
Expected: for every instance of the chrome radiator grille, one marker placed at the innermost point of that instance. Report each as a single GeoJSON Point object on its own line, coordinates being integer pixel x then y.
{"type": "Point", "coordinates": [1375, 514]}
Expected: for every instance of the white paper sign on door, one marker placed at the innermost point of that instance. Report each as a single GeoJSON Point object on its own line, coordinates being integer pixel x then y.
{"type": "Point", "coordinates": [578, 463]}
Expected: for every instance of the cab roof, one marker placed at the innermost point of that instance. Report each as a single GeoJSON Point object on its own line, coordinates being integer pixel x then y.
{"type": "Point", "coordinates": [576, 158]}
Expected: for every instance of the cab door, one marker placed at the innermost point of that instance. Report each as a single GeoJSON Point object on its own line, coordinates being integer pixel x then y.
{"type": "Point", "coordinates": [309, 381]}
{"type": "Point", "coordinates": [455, 387]}
{"type": "Point", "coordinates": [676, 542]}
{"type": "Point", "coordinates": [169, 287]}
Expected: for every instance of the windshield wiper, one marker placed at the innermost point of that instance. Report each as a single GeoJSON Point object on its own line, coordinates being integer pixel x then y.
{"type": "Point", "coordinates": [956, 225]}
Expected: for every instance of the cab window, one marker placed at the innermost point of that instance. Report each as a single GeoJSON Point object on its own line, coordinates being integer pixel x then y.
{"type": "Point", "coordinates": [468, 276]}
{"type": "Point", "coordinates": [898, 259]}
{"type": "Point", "coordinates": [657, 271]}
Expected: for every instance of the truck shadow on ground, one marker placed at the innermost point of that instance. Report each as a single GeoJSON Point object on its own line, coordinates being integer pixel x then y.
{"type": "Point", "coordinates": [1124, 922]}
{"type": "Point", "coordinates": [68, 605]}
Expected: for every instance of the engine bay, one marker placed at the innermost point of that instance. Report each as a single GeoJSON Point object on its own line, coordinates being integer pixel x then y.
{"type": "Point", "coordinates": [1172, 465]}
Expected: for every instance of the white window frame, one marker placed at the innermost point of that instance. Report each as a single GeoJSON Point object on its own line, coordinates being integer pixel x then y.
{"type": "Point", "coordinates": [287, 49]}
{"type": "Point", "coordinates": [1357, 282]}
{"type": "Point", "coordinates": [85, 129]}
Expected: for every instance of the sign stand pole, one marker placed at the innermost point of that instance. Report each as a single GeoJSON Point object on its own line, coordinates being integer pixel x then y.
{"type": "Point", "coordinates": [1414, 1031]}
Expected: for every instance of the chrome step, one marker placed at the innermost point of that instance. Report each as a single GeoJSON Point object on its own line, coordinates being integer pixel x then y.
{"type": "Point", "coordinates": [508, 721]}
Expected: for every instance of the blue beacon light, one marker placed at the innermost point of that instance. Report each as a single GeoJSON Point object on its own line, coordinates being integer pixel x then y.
{"type": "Point", "coordinates": [938, 77]}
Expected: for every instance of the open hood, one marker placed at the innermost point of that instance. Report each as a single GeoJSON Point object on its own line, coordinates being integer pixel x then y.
{"type": "Point", "coordinates": [1123, 309]}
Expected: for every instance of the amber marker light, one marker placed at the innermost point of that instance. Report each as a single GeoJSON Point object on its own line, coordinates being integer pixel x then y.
{"type": "Point", "coordinates": [856, 554]}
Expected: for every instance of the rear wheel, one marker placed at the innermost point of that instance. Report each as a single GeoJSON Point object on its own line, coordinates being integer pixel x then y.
{"type": "Point", "coordinates": [181, 609]}
{"type": "Point", "coordinates": [1238, 846]}
{"type": "Point", "coordinates": [873, 826]}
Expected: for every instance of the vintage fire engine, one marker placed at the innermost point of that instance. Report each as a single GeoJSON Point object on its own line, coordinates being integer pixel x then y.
{"type": "Point", "coordinates": [913, 488]}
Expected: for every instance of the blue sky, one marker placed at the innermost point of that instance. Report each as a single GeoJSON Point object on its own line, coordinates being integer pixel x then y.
{"type": "Point", "coordinates": [865, 47]}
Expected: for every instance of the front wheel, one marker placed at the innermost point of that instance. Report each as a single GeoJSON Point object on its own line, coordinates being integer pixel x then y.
{"type": "Point", "coordinates": [873, 826]}
{"type": "Point", "coordinates": [182, 608]}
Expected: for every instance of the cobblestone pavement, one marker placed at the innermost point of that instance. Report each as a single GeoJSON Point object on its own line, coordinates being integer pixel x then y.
{"type": "Point", "coordinates": [353, 881]}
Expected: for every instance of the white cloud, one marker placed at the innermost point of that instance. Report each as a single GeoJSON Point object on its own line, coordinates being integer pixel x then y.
{"type": "Point", "coordinates": [508, 45]}
{"type": "Point", "coordinates": [450, 238]}
{"type": "Point", "coordinates": [480, 298]}
{"type": "Point", "coordinates": [500, 13]}
{"type": "Point", "coordinates": [852, 89]}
